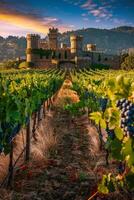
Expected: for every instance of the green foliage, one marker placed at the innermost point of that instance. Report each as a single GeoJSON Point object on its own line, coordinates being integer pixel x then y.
{"type": "Point", "coordinates": [130, 181]}
{"type": "Point", "coordinates": [99, 66]}
{"type": "Point", "coordinates": [41, 52]}
{"type": "Point", "coordinates": [82, 176]}
{"type": "Point", "coordinates": [75, 108]}
{"type": "Point", "coordinates": [94, 86]}
{"type": "Point", "coordinates": [107, 185]}
{"type": "Point", "coordinates": [25, 65]}
{"type": "Point", "coordinates": [21, 94]}
{"type": "Point", "coordinates": [9, 64]}
{"type": "Point", "coordinates": [128, 63]}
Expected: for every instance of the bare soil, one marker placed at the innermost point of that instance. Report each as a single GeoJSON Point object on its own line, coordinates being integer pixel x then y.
{"type": "Point", "coordinates": [72, 165]}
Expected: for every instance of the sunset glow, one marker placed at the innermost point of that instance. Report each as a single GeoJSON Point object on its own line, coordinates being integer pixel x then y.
{"type": "Point", "coordinates": [38, 16]}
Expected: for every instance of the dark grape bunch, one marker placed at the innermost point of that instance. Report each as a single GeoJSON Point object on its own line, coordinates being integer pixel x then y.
{"type": "Point", "coordinates": [110, 133]}
{"type": "Point", "coordinates": [103, 103]}
{"type": "Point", "coordinates": [127, 116]}
{"type": "Point", "coordinates": [89, 94]}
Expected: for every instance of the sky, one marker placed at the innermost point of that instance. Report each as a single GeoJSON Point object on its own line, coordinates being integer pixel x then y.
{"type": "Point", "coordinates": [19, 17]}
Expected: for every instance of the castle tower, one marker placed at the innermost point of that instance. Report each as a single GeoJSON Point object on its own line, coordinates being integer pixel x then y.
{"type": "Point", "coordinates": [53, 38]}
{"type": "Point", "coordinates": [63, 45]}
{"type": "Point", "coordinates": [32, 43]}
{"type": "Point", "coordinates": [76, 44]}
{"type": "Point", "coordinates": [91, 47]}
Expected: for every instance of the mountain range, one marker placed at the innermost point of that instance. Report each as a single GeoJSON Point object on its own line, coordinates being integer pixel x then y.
{"type": "Point", "coordinates": [111, 41]}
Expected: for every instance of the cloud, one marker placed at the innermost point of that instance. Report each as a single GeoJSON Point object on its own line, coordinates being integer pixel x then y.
{"type": "Point", "coordinates": [85, 19]}
{"type": "Point", "coordinates": [84, 15]}
{"type": "Point", "coordinates": [95, 12]}
{"type": "Point", "coordinates": [97, 20]}
{"type": "Point", "coordinates": [25, 21]}
{"type": "Point", "coordinates": [7, 30]}
{"type": "Point", "coordinates": [88, 5]}
{"type": "Point", "coordinates": [22, 16]}
{"type": "Point", "coordinates": [100, 9]}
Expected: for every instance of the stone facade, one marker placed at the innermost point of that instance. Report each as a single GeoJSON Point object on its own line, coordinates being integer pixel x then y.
{"type": "Point", "coordinates": [131, 51]}
{"type": "Point", "coordinates": [53, 38]}
{"type": "Point", "coordinates": [50, 54]}
{"type": "Point", "coordinates": [76, 44]}
{"type": "Point", "coordinates": [91, 47]}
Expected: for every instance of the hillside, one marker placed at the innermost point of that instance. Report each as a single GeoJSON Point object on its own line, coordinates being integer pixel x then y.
{"type": "Point", "coordinates": [124, 29]}
{"type": "Point", "coordinates": [12, 47]}
{"type": "Point", "coordinates": [111, 41]}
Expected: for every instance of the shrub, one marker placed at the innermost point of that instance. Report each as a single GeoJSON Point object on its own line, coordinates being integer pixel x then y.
{"type": "Point", "coordinates": [25, 65]}
{"type": "Point", "coordinates": [99, 66]}
{"type": "Point", "coordinates": [11, 64]}
{"type": "Point", "coordinates": [128, 63]}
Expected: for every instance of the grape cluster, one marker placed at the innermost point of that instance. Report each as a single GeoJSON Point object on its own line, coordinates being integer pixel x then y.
{"type": "Point", "coordinates": [7, 132]}
{"type": "Point", "coordinates": [103, 103]}
{"type": "Point", "coordinates": [127, 116]}
{"type": "Point", "coordinates": [89, 94]}
{"type": "Point", "coordinates": [121, 167]}
{"type": "Point", "coordinates": [110, 133]}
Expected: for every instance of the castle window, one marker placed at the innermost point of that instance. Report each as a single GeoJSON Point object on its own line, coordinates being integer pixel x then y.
{"type": "Point", "coordinates": [65, 55]}
{"type": "Point", "coordinates": [41, 56]}
{"type": "Point", "coordinates": [106, 59]}
{"type": "Point", "coordinates": [59, 55]}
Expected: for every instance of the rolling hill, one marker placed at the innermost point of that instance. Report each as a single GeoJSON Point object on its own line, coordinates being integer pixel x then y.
{"type": "Point", "coordinates": [109, 40]}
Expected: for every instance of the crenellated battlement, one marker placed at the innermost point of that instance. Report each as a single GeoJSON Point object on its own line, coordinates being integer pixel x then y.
{"type": "Point", "coordinates": [53, 38]}
{"type": "Point", "coordinates": [76, 37]}
{"type": "Point", "coordinates": [32, 43]}
{"type": "Point", "coordinates": [76, 44]}
{"type": "Point", "coordinates": [53, 30]}
{"type": "Point", "coordinates": [33, 36]}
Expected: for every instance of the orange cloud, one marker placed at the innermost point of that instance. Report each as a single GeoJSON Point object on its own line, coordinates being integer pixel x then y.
{"type": "Point", "coordinates": [27, 19]}
{"type": "Point", "coordinates": [25, 22]}
{"type": "Point", "coordinates": [40, 25]}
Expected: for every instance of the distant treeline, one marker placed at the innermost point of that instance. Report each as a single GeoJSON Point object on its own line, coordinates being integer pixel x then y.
{"type": "Point", "coordinates": [111, 41]}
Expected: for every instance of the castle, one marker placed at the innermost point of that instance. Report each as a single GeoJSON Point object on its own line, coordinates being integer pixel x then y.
{"type": "Point", "coordinates": [46, 54]}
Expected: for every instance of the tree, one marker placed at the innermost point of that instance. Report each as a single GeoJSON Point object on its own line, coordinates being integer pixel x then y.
{"type": "Point", "coordinates": [128, 63]}
{"type": "Point", "coordinates": [123, 56]}
{"type": "Point", "coordinates": [11, 64]}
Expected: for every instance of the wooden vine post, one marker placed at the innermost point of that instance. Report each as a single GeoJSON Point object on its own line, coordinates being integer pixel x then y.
{"type": "Point", "coordinates": [44, 111]}
{"type": "Point", "coordinates": [28, 139]}
{"type": "Point", "coordinates": [34, 126]}
{"type": "Point", "coordinates": [100, 136]}
{"type": "Point", "coordinates": [10, 177]}
{"type": "Point", "coordinates": [39, 116]}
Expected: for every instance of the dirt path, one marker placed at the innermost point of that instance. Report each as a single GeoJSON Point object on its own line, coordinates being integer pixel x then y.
{"type": "Point", "coordinates": [70, 171]}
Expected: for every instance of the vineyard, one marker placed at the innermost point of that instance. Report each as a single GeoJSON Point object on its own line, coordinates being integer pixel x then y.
{"type": "Point", "coordinates": [91, 117]}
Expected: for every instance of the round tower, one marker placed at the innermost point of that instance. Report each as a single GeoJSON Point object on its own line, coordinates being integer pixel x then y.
{"type": "Point", "coordinates": [76, 44]}
{"type": "Point", "coordinates": [91, 47]}
{"type": "Point", "coordinates": [53, 38]}
{"type": "Point", "coordinates": [63, 45]}
{"type": "Point", "coordinates": [32, 43]}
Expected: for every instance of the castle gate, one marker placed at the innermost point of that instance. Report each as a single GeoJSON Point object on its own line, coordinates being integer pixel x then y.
{"type": "Point", "coordinates": [69, 64]}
